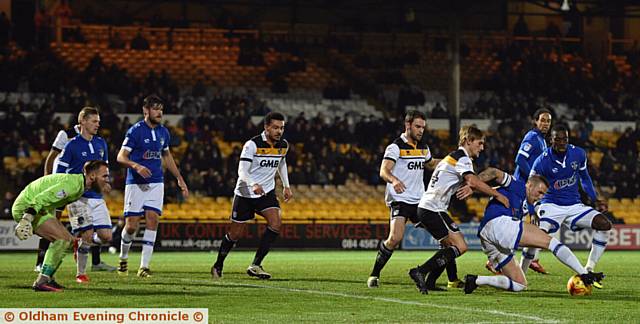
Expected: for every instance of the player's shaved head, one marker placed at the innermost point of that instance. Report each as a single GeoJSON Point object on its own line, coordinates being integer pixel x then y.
{"type": "Point", "coordinates": [537, 179]}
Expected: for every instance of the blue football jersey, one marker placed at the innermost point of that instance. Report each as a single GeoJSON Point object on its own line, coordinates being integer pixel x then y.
{"type": "Point", "coordinates": [77, 152]}
{"type": "Point", "coordinates": [563, 174]}
{"type": "Point", "coordinates": [533, 144]}
{"type": "Point", "coordinates": [145, 146]}
{"type": "Point", "coordinates": [515, 190]}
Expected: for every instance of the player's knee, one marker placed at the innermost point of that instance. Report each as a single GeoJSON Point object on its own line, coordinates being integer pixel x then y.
{"type": "Point", "coordinates": [462, 247]}
{"type": "Point", "coordinates": [105, 237]}
{"type": "Point", "coordinates": [601, 223]}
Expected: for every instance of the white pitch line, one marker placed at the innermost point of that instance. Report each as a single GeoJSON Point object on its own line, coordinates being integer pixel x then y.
{"type": "Point", "coordinates": [383, 299]}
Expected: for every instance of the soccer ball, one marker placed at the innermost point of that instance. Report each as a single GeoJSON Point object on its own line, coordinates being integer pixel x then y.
{"type": "Point", "coordinates": [576, 287]}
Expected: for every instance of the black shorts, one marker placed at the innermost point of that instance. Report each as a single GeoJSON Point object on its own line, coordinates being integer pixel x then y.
{"type": "Point", "coordinates": [439, 224]}
{"type": "Point", "coordinates": [401, 209]}
{"type": "Point", "coordinates": [244, 209]}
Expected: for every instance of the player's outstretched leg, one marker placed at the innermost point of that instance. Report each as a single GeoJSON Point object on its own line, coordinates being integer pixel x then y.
{"type": "Point", "coordinates": [255, 269]}
{"type": "Point", "coordinates": [52, 260]}
{"type": "Point", "coordinates": [383, 256]}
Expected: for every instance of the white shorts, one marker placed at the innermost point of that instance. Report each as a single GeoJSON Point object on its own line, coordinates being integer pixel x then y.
{"type": "Point", "coordinates": [141, 197]}
{"type": "Point", "coordinates": [500, 238]}
{"type": "Point", "coordinates": [576, 217]}
{"type": "Point", "coordinates": [88, 213]}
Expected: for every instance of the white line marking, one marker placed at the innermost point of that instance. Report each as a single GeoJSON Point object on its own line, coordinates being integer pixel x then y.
{"type": "Point", "coordinates": [383, 299]}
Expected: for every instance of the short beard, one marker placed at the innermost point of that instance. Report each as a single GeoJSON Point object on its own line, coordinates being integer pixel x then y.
{"type": "Point", "coordinates": [95, 187]}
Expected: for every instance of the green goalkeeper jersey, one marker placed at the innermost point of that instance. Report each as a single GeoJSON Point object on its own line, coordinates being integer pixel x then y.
{"type": "Point", "coordinates": [50, 192]}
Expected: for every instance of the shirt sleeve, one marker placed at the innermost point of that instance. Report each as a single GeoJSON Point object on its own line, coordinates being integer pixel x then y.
{"type": "Point", "coordinates": [537, 167]}
{"type": "Point", "coordinates": [65, 158]}
{"type": "Point", "coordinates": [507, 180]}
{"type": "Point", "coordinates": [248, 151]}
{"type": "Point", "coordinates": [464, 166]}
{"type": "Point", "coordinates": [60, 141]}
{"type": "Point", "coordinates": [392, 152]}
{"type": "Point", "coordinates": [129, 142]}
{"type": "Point", "coordinates": [526, 148]}
{"type": "Point", "coordinates": [428, 156]}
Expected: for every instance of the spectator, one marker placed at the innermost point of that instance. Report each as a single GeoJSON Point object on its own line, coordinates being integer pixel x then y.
{"type": "Point", "coordinates": [139, 42]}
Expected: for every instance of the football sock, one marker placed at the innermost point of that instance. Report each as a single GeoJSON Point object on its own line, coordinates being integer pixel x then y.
{"type": "Point", "coordinates": [148, 240]}
{"type": "Point", "coordinates": [452, 270]}
{"type": "Point", "coordinates": [500, 281]}
{"type": "Point", "coordinates": [384, 254]}
{"type": "Point", "coordinates": [225, 248]}
{"type": "Point", "coordinates": [564, 254]}
{"type": "Point", "coordinates": [268, 237]}
{"type": "Point", "coordinates": [441, 258]}
{"type": "Point", "coordinates": [434, 275]}
{"type": "Point", "coordinates": [125, 244]}
{"type": "Point", "coordinates": [598, 244]}
{"type": "Point", "coordinates": [53, 258]}
{"type": "Point", "coordinates": [527, 257]}
{"type": "Point", "coordinates": [83, 256]}
{"type": "Point", "coordinates": [95, 249]}
{"type": "Point", "coordinates": [43, 245]}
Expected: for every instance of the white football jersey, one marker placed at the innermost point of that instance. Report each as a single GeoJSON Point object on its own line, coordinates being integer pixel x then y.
{"type": "Point", "coordinates": [409, 168]}
{"type": "Point", "coordinates": [446, 179]}
{"type": "Point", "coordinates": [63, 137]}
{"type": "Point", "coordinates": [265, 160]}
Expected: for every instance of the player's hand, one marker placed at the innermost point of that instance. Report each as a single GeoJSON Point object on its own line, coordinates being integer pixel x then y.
{"type": "Point", "coordinates": [288, 194]}
{"type": "Point", "coordinates": [398, 186]}
{"type": "Point", "coordinates": [464, 192]}
{"type": "Point", "coordinates": [602, 205]}
{"type": "Point", "coordinates": [24, 229]}
{"type": "Point", "coordinates": [503, 200]}
{"type": "Point", "coordinates": [183, 188]}
{"type": "Point", "coordinates": [107, 188]}
{"type": "Point", "coordinates": [142, 171]}
{"type": "Point", "coordinates": [257, 189]}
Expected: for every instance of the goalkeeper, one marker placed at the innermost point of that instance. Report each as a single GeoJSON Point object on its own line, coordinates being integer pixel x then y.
{"type": "Point", "coordinates": [34, 210]}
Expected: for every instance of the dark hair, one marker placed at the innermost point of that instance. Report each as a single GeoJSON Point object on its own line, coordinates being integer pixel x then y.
{"type": "Point", "coordinates": [152, 100]}
{"type": "Point", "coordinates": [538, 178]}
{"type": "Point", "coordinates": [560, 128]}
{"type": "Point", "coordinates": [86, 112]}
{"type": "Point", "coordinates": [273, 116]}
{"type": "Point", "coordinates": [94, 165]}
{"type": "Point", "coordinates": [539, 112]}
{"type": "Point", "coordinates": [413, 114]}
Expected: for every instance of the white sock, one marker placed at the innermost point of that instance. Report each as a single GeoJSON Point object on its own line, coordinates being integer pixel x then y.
{"type": "Point", "coordinates": [564, 254]}
{"type": "Point", "coordinates": [125, 244]}
{"type": "Point", "coordinates": [500, 281]}
{"type": "Point", "coordinates": [96, 239]}
{"type": "Point", "coordinates": [528, 255]}
{"type": "Point", "coordinates": [148, 240]}
{"type": "Point", "coordinates": [83, 257]}
{"type": "Point", "coordinates": [598, 244]}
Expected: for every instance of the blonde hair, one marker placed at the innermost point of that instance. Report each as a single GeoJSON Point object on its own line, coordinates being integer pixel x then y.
{"type": "Point", "coordinates": [469, 133]}
{"type": "Point", "coordinates": [86, 112]}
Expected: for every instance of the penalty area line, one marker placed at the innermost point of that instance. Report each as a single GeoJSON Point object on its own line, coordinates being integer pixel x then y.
{"type": "Point", "coordinates": [385, 299]}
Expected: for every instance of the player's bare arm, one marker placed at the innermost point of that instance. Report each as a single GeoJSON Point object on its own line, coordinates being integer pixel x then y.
{"type": "Point", "coordinates": [173, 168]}
{"type": "Point", "coordinates": [478, 185]}
{"type": "Point", "coordinates": [48, 163]}
{"type": "Point", "coordinates": [387, 175]}
{"type": "Point", "coordinates": [431, 165]}
{"type": "Point", "coordinates": [123, 158]}
{"type": "Point", "coordinates": [491, 174]}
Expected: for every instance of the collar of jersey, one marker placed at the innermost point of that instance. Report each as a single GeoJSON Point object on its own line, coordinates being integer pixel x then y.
{"type": "Point", "coordinates": [264, 137]}
{"type": "Point", "coordinates": [404, 138]}
{"type": "Point", "coordinates": [553, 156]}
{"type": "Point", "coordinates": [463, 150]}
{"type": "Point", "coordinates": [77, 129]}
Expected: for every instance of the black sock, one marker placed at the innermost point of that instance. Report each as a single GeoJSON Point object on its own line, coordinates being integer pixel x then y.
{"type": "Point", "coordinates": [434, 275]}
{"type": "Point", "coordinates": [95, 254]}
{"type": "Point", "coordinates": [265, 244]}
{"type": "Point", "coordinates": [225, 247]}
{"type": "Point", "coordinates": [384, 254]}
{"type": "Point", "coordinates": [43, 245]}
{"type": "Point", "coordinates": [440, 259]}
{"type": "Point", "coordinates": [452, 270]}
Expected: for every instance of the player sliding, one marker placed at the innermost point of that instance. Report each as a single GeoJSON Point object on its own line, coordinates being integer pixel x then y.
{"type": "Point", "coordinates": [35, 207]}
{"type": "Point", "coordinates": [502, 231]}
{"type": "Point", "coordinates": [565, 166]}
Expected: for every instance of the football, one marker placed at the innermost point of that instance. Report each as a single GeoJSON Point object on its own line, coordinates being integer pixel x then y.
{"type": "Point", "coordinates": [576, 287]}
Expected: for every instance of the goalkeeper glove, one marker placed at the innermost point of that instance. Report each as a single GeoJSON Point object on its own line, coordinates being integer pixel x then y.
{"type": "Point", "coordinates": [24, 229]}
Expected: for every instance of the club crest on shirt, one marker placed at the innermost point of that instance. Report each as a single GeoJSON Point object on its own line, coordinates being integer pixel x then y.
{"type": "Point", "coordinates": [161, 141]}
{"type": "Point", "coordinates": [574, 165]}
{"type": "Point", "coordinates": [554, 170]}
{"type": "Point", "coordinates": [101, 152]}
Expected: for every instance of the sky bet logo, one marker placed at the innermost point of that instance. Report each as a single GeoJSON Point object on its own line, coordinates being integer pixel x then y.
{"type": "Point", "coordinates": [415, 165]}
{"type": "Point", "coordinates": [269, 163]}
{"type": "Point", "coordinates": [151, 155]}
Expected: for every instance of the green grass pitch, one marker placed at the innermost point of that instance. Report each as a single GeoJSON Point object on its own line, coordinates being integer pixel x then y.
{"type": "Point", "coordinates": [330, 286]}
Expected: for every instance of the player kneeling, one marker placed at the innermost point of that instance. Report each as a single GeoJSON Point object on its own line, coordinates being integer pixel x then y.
{"type": "Point", "coordinates": [502, 231]}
